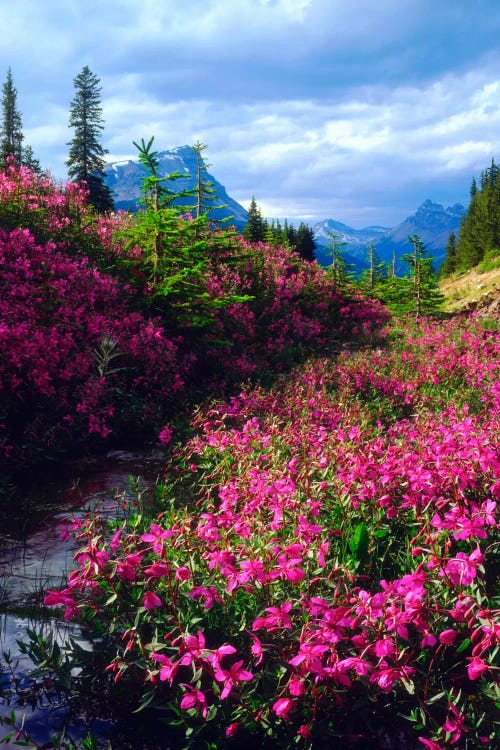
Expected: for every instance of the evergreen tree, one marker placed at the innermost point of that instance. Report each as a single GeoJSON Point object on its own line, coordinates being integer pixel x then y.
{"type": "Point", "coordinates": [421, 296]}
{"type": "Point", "coordinates": [480, 227]}
{"type": "Point", "coordinates": [305, 244]}
{"type": "Point", "coordinates": [204, 191]}
{"type": "Point", "coordinates": [278, 236]}
{"type": "Point", "coordinates": [290, 235]}
{"type": "Point", "coordinates": [30, 161]}
{"type": "Point", "coordinates": [450, 261]}
{"type": "Point", "coordinates": [376, 272]}
{"type": "Point", "coordinates": [86, 156]}
{"type": "Point", "coordinates": [270, 233]}
{"type": "Point", "coordinates": [255, 229]}
{"type": "Point", "coordinates": [340, 271]}
{"type": "Point", "coordinates": [11, 134]}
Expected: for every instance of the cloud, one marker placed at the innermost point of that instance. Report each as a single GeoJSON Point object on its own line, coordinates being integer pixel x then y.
{"type": "Point", "coordinates": [317, 107]}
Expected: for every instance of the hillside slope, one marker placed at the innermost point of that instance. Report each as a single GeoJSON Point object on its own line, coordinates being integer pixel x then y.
{"type": "Point", "coordinates": [474, 290]}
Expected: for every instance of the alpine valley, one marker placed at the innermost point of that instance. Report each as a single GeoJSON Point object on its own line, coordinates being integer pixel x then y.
{"type": "Point", "coordinates": [432, 222]}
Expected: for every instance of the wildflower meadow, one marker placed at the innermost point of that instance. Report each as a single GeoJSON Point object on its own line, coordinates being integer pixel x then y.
{"type": "Point", "coordinates": [324, 562]}
{"type": "Point", "coordinates": [321, 566]}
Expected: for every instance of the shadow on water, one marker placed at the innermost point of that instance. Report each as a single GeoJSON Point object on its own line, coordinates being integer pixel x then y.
{"type": "Point", "coordinates": [36, 555]}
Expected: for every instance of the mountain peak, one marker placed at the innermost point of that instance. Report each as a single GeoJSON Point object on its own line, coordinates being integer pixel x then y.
{"type": "Point", "coordinates": [431, 221]}
{"type": "Point", "coordinates": [124, 178]}
{"type": "Point", "coordinates": [429, 205]}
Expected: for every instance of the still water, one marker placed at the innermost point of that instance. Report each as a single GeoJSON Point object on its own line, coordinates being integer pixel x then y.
{"type": "Point", "coordinates": [35, 555]}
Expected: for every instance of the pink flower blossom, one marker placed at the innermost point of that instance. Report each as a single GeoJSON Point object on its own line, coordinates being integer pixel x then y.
{"type": "Point", "coordinates": [476, 668]}
{"type": "Point", "coordinates": [166, 435]}
{"type": "Point", "coordinates": [232, 676]}
{"type": "Point", "coordinates": [194, 698]}
{"type": "Point", "coordinates": [448, 637]}
{"type": "Point", "coordinates": [282, 708]}
{"type": "Point", "coordinates": [151, 601]}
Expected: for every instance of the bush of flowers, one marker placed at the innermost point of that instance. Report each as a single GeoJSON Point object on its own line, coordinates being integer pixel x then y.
{"type": "Point", "coordinates": [293, 308]}
{"type": "Point", "coordinates": [324, 563]}
{"type": "Point", "coordinates": [73, 352]}
{"type": "Point", "coordinates": [92, 350]}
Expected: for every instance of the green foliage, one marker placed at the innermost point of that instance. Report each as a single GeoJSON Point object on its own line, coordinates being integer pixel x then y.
{"type": "Point", "coordinates": [176, 251]}
{"type": "Point", "coordinates": [480, 227]}
{"type": "Point", "coordinates": [300, 240]}
{"type": "Point", "coordinates": [491, 260]}
{"type": "Point", "coordinates": [450, 261]}
{"type": "Point", "coordinates": [11, 133]}
{"type": "Point", "coordinates": [11, 130]}
{"type": "Point", "coordinates": [86, 155]}
{"type": "Point", "coordinates": [339, 270]}
{"type": "Point", "coordinates": [155, 193]}
{"type": "Point", "coordinates": [255, 228]}
{"type": "Point", "coordinates": [305, 244]}
{"type": "Point", "coordinates": [417, 293]}
{"type": "Point", "coordinates": [204, 191]}
{"type": "Point", "coordinates": [375, 274]}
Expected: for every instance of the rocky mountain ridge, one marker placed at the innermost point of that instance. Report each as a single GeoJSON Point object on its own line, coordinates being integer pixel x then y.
{"type": "Point", "coordinates": [431, 221]}
{"type": "Point", "coordinates": [124, 178]}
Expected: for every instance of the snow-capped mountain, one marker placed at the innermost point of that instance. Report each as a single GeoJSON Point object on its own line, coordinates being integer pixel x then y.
{"type": "Point", "coordinates": [432, 222]}
{"type": "Point", "coordinates": [124, 178]}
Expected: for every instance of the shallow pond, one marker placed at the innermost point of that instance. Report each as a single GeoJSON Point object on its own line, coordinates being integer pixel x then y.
{"type": "Point", "coordinates": [35, 555]}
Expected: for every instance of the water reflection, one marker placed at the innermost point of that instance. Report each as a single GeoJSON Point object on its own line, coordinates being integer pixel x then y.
{"type": "Point", "coordinates": [35, 555]}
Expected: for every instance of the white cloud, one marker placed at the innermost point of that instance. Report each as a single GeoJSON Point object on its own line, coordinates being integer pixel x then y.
{"type": "Point", "coordinates": [314, 106]}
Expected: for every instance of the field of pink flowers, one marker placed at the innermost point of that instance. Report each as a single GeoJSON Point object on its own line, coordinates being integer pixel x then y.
{"type": "Point", "coordinates": [324, 564]}
{"type": "Point", "coordinates": [91, 352]}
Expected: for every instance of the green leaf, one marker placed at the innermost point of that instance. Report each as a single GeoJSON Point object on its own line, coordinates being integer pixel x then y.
{"type": "Point", "coordinates": [358, 544]}
{"type": "Point", "coordinates": [464, 645]}
{"type": "Point", "coordinates": [147, 698]}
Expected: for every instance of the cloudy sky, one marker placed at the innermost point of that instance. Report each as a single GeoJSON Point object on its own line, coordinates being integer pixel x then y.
{"type": "Point", "coordinates": [356, 110]}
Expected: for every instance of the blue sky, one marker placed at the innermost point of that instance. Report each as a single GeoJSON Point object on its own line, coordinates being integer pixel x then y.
{"type": "Point", "coordinates": [356, 110]}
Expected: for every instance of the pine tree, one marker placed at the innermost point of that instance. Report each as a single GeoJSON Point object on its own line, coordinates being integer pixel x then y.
{"type": "Point", "coordinates": [204, 191]}
{"type": "Point", "coordinates": [421, 296]}
{"type": "Point", "coordinates": [376, 271]}
{"type": "Point", "coordinates": [480, 227]}
{"type": "Point", "coordinates": [340, 271]}
{"type": "Point", "coordinates": [11, 133]}
{"type": "Point", "coordinates": [86, 156]}
{"type": "Point", "coordinates": [450, 261]}
{"type": "Point", "coordinates": [30, 161]}
{"type": "Point", "coordinates": [255, 229]}
{"type": "Point", "coordinates": [290, 236]}
{"type": "Point", "coordinates": [270, 233]}
{"type": "Point", "coordinates": [305, 244]}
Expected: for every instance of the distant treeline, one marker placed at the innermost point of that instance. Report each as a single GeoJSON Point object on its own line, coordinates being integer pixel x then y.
{"type": "Point", "coordinates": [259, 229]}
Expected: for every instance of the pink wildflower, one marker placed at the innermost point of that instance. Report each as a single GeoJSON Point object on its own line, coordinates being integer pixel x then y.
{"type": "Point", "coordinates": [476, 668]}
{"type": "Point", "coordinates": [282, 707]}
{"type": "Point", "coordinates": [194, 699]}
{"type": "Point", "coordinates": [230, 677]}
{"type": "Point", "coordinates": [448, 637]}
{"type": "Point", "coordinates": [168, 667]}
{"type": "Point", "coordinates": [151, 601]}
{"type": "Point", "coordinates": [165, 435]}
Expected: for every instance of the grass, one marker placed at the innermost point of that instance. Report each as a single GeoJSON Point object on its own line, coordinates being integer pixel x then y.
{"type": "Point", "coordinates": [470, 289]}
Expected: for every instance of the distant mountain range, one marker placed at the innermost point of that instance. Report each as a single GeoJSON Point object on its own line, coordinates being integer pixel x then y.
{"type": "Point", "coordinates": [431, 222]}
{"type": "Point", "coordinates": [124, 178]}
